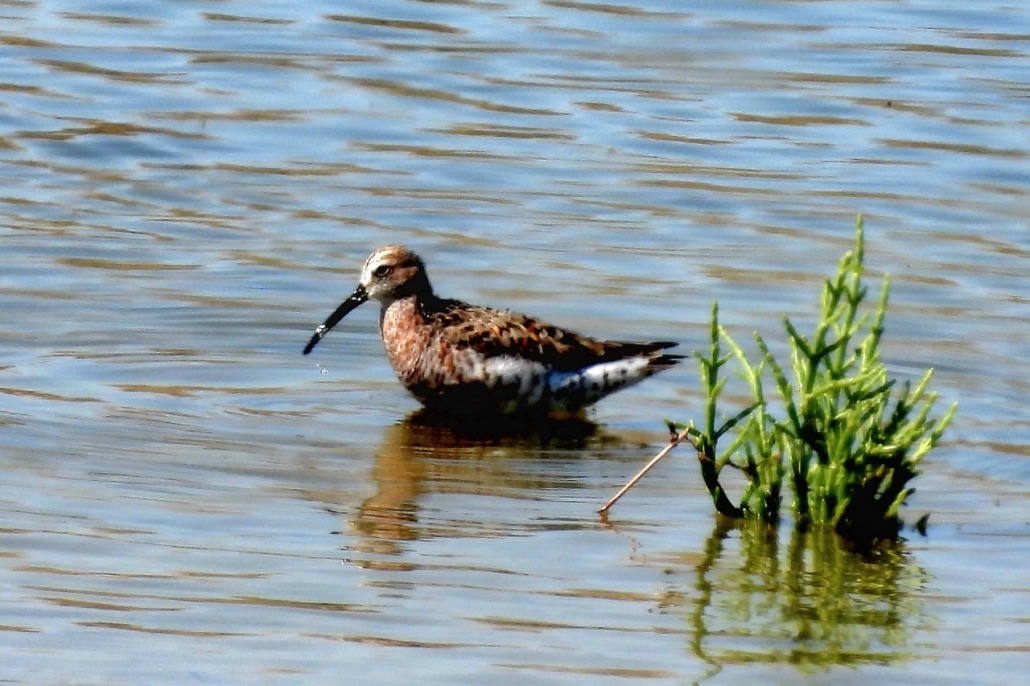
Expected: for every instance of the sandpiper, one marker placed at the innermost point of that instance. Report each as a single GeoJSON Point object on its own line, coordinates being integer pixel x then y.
{"type": "Point", "coordinates": [466, 360]}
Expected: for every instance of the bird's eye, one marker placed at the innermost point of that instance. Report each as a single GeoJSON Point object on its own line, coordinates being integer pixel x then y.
{"type": "Point", "coordinates": [382, 270]}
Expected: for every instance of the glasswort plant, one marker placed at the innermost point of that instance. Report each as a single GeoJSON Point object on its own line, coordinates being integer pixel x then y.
{"type": "Point", "coordinates": [849, 438]}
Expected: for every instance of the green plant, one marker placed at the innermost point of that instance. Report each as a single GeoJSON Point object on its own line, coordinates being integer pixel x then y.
{"type": "Point", "coordinates": [849, 438]}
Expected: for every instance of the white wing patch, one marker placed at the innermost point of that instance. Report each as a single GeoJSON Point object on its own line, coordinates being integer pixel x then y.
{"type": "Point", "coordinates": [573, 390]}
{"type": "Point", "coordinates": [519, 384]}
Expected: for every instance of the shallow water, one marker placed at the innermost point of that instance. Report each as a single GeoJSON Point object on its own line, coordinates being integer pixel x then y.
{"type": "Point", "coordinates": [188, 188]}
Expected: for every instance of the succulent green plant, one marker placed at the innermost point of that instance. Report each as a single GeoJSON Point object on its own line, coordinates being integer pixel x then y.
{"type": "Point", "coordinates": [847, 435]}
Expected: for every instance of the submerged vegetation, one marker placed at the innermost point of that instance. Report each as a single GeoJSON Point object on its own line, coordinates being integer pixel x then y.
{"type": "Point", "coordinates": [848, 438]}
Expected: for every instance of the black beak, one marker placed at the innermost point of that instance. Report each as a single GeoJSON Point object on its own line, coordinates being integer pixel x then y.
{"type": "Point", "coordinates": [356, 298]}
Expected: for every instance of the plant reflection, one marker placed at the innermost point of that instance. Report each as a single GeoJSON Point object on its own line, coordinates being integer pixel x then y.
{"type": "Point", "coordinates": [816, 604]}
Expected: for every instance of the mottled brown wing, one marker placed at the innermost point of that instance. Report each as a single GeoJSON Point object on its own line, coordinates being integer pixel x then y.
{"type": "Point", "coordinates": [497, 332]}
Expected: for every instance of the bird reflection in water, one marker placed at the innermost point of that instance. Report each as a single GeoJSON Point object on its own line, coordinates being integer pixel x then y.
{"type": "Point", "coordinates": [423, 456]}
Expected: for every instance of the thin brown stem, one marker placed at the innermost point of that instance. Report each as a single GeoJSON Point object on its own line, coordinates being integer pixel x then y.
{"type": "Point", "coordinates": [673, 442]}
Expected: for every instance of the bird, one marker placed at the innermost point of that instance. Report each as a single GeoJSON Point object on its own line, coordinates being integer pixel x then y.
{"type": "Point", "coordinates": [464, 360]}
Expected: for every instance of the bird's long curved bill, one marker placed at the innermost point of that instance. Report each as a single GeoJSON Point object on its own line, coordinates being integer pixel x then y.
{"type": "Point", "coordinates": [356, 298]}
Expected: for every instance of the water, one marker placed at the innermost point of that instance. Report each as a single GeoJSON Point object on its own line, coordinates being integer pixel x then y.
{"type": "Point", "coordinates": [188, 188]}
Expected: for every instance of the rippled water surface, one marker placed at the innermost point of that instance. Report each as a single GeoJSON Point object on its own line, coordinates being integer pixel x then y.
{"type": "Point", "coordinates": [187, 188]}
